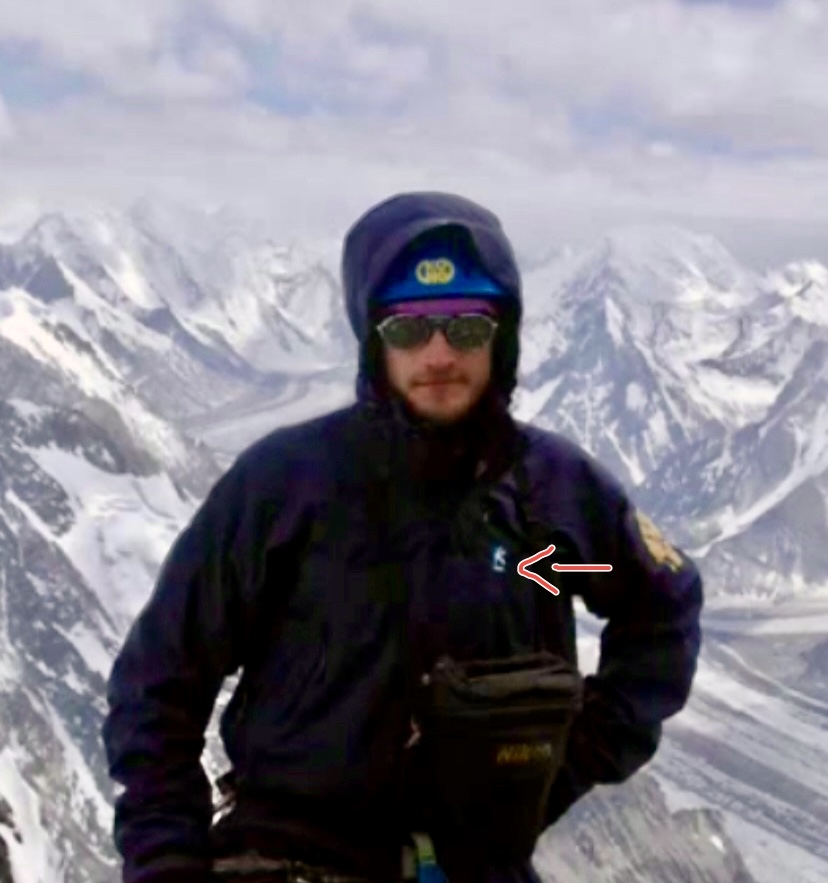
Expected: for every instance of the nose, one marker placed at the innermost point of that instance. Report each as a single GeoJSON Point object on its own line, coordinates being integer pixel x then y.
{"type": "Point", "coordinates": [438, 351]}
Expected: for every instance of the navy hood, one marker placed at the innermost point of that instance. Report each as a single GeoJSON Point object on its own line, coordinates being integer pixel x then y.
{"type": "Point", "coordinates": [379, 237]}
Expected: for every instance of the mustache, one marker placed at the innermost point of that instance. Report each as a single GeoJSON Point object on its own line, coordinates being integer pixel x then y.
{"type": "Point", "coordinates": [437, 377]}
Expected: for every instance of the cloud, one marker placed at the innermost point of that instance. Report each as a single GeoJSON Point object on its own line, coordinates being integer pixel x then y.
{"type": "Point", "coordinates": [566, 117]}
{"type": "Point", "coordinates": [6, 125]}
{"type": "Point", "coordinates": [698, 69]}
{"type": "Point", "coordinates": [153, 49]}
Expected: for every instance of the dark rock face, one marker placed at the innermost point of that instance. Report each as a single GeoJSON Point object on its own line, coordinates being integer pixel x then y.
{"type": "Point", "coordinates": [6, 828]}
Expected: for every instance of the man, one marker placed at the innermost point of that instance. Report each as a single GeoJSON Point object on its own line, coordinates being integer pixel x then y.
{"type": "Point", "coordinates": [340, 563]}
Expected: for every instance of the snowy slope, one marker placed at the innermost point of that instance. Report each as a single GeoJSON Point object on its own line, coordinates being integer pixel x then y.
{"type": "Point", "coordinates": [46, 361]}
{"type": "Point", "coordinates": [230, 429]}
{"type": "Point", "coordinates": [630, 323]}
{"type": "Point", "coordinates": [94, 485]}
{"type": "Point", "coordinates": [81, 535]}
{"type": "Point", "coordinates": [752, 741]}
{"type": "Point", "coordinates": [629, 833]}
{"type": "Point", "coordinates": [750, 744]}
{"type": "Point", "coordinates": [754, 504]}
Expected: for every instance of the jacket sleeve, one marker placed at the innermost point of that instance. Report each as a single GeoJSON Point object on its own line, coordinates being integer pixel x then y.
{"type": "Point", "coordinates": [164, 683]}
{"type": "Point", "coordinates": [650, 643]}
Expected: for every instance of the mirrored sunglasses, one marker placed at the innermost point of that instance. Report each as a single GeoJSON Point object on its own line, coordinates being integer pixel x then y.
{"type": "Point", "coordinates": [463, 331]}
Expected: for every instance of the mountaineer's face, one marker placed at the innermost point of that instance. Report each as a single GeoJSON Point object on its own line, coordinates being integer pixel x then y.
{"type": "Point", "coordinates": [441, 373]}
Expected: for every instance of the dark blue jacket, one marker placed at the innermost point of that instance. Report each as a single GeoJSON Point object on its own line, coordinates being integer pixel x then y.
{"type": "Point", "coordinates": [325, 599]}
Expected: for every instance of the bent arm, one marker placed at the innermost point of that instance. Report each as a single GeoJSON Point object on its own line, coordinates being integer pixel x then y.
{"type": "Point", "coordinates": [649, 648]}
{"type": "Point", "coordinates": [163, 686]}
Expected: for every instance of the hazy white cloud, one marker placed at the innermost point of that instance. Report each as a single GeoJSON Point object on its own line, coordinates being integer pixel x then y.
{"type": "Point", "coordinates": [566, 117]}
{"type": "Point", "coordinates": [708, 69]}
{"type": "Point", "coordinates": [209, 69]}
{"type": "Point", "coordinates": [6, 127]}
{"type": "Point", "coordinates": [149, 49]}
{"type": "Point", "coordinates": [87, 29]}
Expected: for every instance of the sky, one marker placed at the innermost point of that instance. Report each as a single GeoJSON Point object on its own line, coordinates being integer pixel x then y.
{"type": "Point", "coordinates": [566, 118]}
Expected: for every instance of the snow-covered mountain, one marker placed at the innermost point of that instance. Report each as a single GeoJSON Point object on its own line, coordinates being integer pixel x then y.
{"type": "Point", "coordinates": [84, 522]}
{"type": "Point", "coordinates": [631, 321]}
{"type": "Point", "coordinates": [94, 485]}
{"type": "Point", "coordinates": [750, 744]}
{"type": "Point", "coordinates": [190, 326]}
{"type": "Point", "coordinates": [630, 834]}
{"type": "Point", "coordinates": [93, 489]}
{"type": "Point", "coordinates": [140, 352]}
{"type": "Point", "coordinates": [702, 385]}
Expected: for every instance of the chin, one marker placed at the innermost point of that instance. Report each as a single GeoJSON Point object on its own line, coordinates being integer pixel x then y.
{"type": "Point", "coordinates": [444, 418]}
{"type": "Point", "coordinates": [443, 414]}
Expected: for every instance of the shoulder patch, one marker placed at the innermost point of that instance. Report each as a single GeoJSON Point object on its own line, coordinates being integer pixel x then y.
{"type": "Point", "coordinates": [660, 550]}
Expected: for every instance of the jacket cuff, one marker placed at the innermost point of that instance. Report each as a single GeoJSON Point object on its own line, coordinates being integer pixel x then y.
{"type": "Point", "coordinates": [565, 791]}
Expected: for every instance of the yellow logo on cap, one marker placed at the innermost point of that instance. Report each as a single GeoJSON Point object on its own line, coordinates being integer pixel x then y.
{"type": "Point", "coordinates": [439, 272]}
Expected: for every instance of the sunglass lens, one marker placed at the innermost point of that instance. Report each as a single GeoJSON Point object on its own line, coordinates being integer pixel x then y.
{"type": "Point", "coordinates": [405, 332]}
{"type": "Point", "coordinates": [470, 332]}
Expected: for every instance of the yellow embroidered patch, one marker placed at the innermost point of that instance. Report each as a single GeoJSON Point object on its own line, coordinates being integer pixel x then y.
{"type": "Point", "coordinates": [438, 272]}
{"type": "Point", "coordinates": [660, 550]}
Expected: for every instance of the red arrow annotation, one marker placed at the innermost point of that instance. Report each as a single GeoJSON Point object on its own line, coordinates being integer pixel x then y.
{"type": "Point", "coordinates": [560, 568]}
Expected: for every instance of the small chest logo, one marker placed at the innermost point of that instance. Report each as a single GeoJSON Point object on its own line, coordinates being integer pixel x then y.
{"type": "Point", "coordinates": [499, 559]}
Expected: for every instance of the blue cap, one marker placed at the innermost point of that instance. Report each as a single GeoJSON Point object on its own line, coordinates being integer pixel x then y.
{"type": "Point", "coordinates": [441, 267]}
